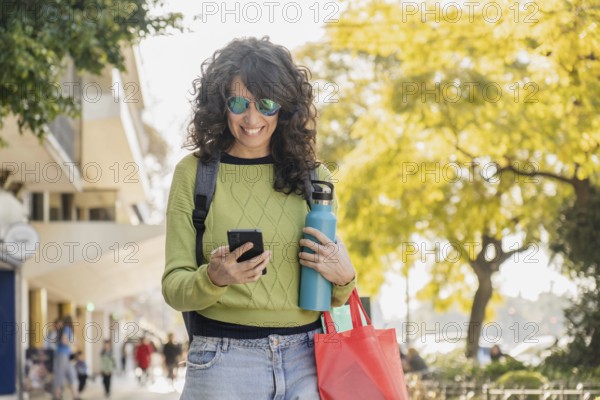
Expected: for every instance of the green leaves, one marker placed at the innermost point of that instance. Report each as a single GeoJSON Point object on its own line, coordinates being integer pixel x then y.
{"type": "Point", "coordinates": [457, 128]}
{"type": "Point", "coordinates": [39, 38]}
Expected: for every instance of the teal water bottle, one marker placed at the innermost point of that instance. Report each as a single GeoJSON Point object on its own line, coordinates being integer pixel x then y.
{"type": "Point", "coordinates": [315, 291]}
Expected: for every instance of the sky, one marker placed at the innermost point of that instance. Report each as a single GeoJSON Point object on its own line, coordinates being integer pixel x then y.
{"type": "Point", "coordinates": [527, 275]}
{"type": "Point", "coordinates": [170, 63]}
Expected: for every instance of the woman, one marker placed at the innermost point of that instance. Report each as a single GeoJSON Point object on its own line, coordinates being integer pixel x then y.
{"type": "Point", "coordinates": [63, 370]}
{"type": "Point", "coordinates": [143, 357]}
{"type": "Point", "coordinates": [253, 110]}
{"type": "Point", "coordinates": [496, 354]}
{"type": "Point", "coordinates": [107, 366]}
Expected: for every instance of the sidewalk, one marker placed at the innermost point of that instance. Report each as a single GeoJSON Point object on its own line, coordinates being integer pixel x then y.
{"type": "Point", "coordinates": [127, 388]}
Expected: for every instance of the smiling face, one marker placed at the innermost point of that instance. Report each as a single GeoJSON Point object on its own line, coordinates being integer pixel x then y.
{"type": "Point", "coordinates": [251, 129]}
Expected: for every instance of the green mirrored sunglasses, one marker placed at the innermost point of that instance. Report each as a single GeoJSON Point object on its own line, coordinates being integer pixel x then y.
{"type": "Point", "coordinates": [239, 104]}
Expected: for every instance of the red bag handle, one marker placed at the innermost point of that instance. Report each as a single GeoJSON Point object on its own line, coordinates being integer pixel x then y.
{"type": "Point", "coordinates": [355, 308]}
{"type": "Point", "coordinates": [329, 324]}
{"type": "Point", "coordinates": [355, 314]}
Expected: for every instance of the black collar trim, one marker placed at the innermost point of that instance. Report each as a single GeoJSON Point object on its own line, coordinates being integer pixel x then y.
{"type": "Point", "coordinates": [229, 159]}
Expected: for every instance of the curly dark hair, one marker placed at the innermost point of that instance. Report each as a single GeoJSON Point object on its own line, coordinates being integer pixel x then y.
{"type": "Point", "coordinates": [268, 71]}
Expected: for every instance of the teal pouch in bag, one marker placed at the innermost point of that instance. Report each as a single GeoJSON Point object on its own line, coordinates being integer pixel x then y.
{"type": "Point", "coordinates": [341, 318]}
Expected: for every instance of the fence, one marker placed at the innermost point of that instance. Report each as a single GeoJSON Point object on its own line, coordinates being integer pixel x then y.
{"type": "Point", "coordinates": [542, 394]}
{"type": "Point", "coordinates": [439, 390]}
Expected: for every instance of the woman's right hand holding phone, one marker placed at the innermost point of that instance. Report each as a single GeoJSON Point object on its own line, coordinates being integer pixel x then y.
{"type": "Point", "coordinates": [224, 270]}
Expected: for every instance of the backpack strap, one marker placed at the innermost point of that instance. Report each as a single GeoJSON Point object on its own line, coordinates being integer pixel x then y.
{"type": "Point", "coordinates": [309, 187]}
{"type": "Point", "coordinates": [206, 180]}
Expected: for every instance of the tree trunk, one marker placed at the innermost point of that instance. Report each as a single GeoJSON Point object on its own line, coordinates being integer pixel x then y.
{"type": "Point", "coordinates": [582, 193]}
{"type": "Point", "coordinates": [482, 296]}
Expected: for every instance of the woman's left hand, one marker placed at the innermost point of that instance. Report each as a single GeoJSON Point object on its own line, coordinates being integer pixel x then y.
{"type": "Point", "coordinates": [330, 259]}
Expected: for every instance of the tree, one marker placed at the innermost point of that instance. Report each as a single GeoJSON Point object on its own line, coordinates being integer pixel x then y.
{"type": "Point", "coordinates": [342, 91]}
{"type": "Point", "coordinates": [504, 107]}
{"type": "Point", "coordinates": [578, 233]}
{"type": "Point", "coordinates": [38, 38]}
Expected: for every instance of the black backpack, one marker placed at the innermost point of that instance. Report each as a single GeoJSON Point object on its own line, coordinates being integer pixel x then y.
{"type": "Point", "coordinates": [206, 180]}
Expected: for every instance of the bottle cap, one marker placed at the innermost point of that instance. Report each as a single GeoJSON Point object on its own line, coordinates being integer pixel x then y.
{"type": "Point", "coordinates": [319, 193]}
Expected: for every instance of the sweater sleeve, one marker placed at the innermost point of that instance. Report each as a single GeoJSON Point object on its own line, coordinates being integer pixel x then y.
{"type": "Point", "coordinates": [339, 294]}
{"type": "Point", "coordinates": [185, 285]}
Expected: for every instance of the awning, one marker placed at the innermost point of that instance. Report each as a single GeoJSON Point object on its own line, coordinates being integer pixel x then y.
{"type": "Point", "coordinates": [96, 261]}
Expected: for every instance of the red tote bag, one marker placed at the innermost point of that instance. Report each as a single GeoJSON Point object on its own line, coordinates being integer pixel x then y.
{"type": "Point", "coordinates": [362, 363]}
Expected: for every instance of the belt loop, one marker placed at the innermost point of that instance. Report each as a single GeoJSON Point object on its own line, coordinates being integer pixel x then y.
{"type": "Point", "coordinates": [224, 344]}
{"type": "Point", "coordinates": [310, 339]}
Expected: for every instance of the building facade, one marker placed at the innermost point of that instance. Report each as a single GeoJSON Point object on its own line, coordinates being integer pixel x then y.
{"type": "Point", "coordinates": [86, 191]}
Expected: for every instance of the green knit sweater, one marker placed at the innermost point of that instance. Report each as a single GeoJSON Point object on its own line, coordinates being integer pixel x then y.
{"type": "Point", "coordinates": [244, 198]}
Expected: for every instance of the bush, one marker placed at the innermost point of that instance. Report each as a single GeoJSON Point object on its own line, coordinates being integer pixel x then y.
{"type": "Point", "coordinates": [496, 369]}
{"type": "Point", "coordinates": [558, 367]}
{"type": "Point", "coordinates": [522, 379]}
{"type": "Point", "coordinates": [454, 366]}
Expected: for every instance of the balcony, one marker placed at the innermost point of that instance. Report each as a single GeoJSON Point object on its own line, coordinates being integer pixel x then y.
{"type": "Point", "coordinates": [95, 261]}
{"type": "Point", "coordinates": [67, 133]}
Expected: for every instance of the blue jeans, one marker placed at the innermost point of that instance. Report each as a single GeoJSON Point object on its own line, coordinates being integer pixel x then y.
{"type": "Point", "coordinates": [276, 367]}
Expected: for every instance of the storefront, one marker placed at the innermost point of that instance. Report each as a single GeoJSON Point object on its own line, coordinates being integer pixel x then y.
{"type": "Point", "coordinates": [15, 236]}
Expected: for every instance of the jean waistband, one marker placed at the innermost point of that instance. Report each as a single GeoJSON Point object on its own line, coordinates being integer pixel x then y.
{"type": "Point", "coordinates": [200, 325]}
{"type": "Point", "coordinates": [267, 342]}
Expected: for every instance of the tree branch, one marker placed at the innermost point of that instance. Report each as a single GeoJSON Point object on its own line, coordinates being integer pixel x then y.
{"type": "Point", "coordinates": [500, 257]}
{"type": "Point", "coordinates": [545, 174]}
{"type": "Point", "coordinates": [506, 255]}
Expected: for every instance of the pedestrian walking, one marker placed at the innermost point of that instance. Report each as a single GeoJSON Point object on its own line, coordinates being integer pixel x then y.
{"type": "Point", "coordinates": [81, 370]}
{"type": "Point", "coordinates": [64, 371]}
{"type": "Point", "coordinates": [171, 352]}
{"type": "Point", "coordinates": [253, 115]}
{"type": "Point", "coordinates": [107, 366]}
{"type": "Point", "coordinates": [143, 357]}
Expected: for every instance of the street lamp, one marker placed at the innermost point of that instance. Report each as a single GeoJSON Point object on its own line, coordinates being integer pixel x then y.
{"type": "Point", "coordinates": [16, 235]}
{"type": "Point", "coordinates": [407, 307]}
